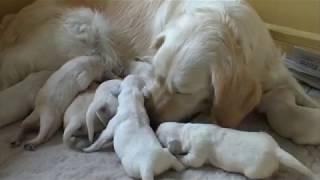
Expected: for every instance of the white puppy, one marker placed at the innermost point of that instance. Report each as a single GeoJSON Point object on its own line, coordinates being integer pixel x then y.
{"type": "Point", "coordinates": [255, 154]}
{"type": "Point", "coordinates": [142, 67]}
{"type": "Point", "coordinates": [17, 101]}
{"type": "Point", "coordinates": [104, 105]}
{"type": "Point", "coordinates": [135, 142]}
{"type": "Point", "coordinates": [58, 93]}
{"type": "Point", "coordinates": [299, 123]}
{"type": "Point", "coordinates": [75, 117]}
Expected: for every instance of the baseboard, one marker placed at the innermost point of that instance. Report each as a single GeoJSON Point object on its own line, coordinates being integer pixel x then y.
{"type": "Point", "coordinates": [295, 37]}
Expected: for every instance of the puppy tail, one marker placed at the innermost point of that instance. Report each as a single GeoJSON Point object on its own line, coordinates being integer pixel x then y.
{"type": "Point", "coordinates": [71, 128]}
{"type": "Point", "coordinates": [289, 161]}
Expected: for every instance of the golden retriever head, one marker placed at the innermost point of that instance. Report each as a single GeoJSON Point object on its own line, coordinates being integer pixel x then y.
{"type": "Point", "coordinates": [196, 59]}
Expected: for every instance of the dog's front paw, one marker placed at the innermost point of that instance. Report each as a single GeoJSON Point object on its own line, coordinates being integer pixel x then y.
{"type": "Point", "coordinates": [29, 147]}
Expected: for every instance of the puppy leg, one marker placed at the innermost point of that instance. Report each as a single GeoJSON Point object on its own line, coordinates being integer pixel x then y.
{"type": "Point", "coordinates": [105, 136]}
{"type": "Point", "coordinates": [146, 172]}
{"type": "Point", "coordinates": [193, 159]}
{"type": "Point", "coordinates": [30, 123]}
{"type": "Point", "coordinates": [71, 128]}
{"type": "Point", "coordinates": [175, 163]}
{"type": "Point", "coordinates": [301, 97]}
{"type": "Point", "coordinates": [49, 124]}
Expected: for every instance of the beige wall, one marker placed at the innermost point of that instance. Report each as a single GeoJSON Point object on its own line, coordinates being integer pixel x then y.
{"type": "Point", "coordinates": [293, 21]}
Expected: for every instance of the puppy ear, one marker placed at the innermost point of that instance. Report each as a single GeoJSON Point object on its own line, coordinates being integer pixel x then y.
{"type": "Point", "coordinates": [158, 42]}
{"type": "Point", "coordinates": [103, 115]}
{"type": "Point", "coordinates": [175, 147]}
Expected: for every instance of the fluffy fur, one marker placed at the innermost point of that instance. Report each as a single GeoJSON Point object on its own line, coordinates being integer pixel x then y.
{"type": "Point", "coordinates": [17, 101]}
{"type": "Point", "coordinates": [53, 42]}
{"type": "Point", "coordinates": [299, 123]}
{"type": "Point", "coordinates": [130, 130]}
{"type": "Point", "coordinates": [204, 51]}
{"type": "Point", "coordinates": [213, 50]}
{"type": "Point", "coordinates": [104, 105]}
{"type": "Point", "coordinates": [254, 154]}
{"type": "Point", "coordinates": [58, 93]}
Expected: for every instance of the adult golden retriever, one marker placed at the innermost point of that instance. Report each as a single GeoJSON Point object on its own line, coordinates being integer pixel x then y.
{"type": "Point", "coordinates": [216, 51]}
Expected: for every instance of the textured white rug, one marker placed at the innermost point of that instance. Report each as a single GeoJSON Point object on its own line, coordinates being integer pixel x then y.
{"type": "Point", "coordinates": [54, 161]}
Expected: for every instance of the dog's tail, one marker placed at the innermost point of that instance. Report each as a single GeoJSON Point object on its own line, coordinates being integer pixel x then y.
{"type": "Point", "coordinates": [291, 162]}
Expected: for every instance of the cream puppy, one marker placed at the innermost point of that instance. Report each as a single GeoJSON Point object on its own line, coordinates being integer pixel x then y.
{"type": "Point", "coordinates": [134, 141]}
{"type": "Point", "coordinates": [75, 117]}
{"type": "Point", "coordinates": [254, 154]}
{"type": "Point", "coordinates": [104, 105]}
{"type": "Point", "coordinates": [142, 67]}
{"type": "Point", "coordinates": [299, 123]}
{"type": "Point", "coordinates": [58, 93]}
{"type": "Point", "coordinates": [17, 101]}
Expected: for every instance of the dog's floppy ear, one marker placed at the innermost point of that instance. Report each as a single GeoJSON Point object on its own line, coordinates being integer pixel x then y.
{"type": "Point", "coordinates": [236, 90]}
{"type": "Point", "coordinates": [235, 95]}
{"type": "Point", "coordinates": [158, 42]}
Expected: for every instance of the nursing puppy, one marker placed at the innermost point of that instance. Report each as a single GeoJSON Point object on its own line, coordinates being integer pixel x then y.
{"type": "Point", "coordinates": [75, 118]}
{"type": "Point", "coordinates": [58, 93]}
{"type": "Point", "coordinates": [17, 101]}
{"type": "Point", "coordinates": [104, 105]}
{"type": "Point", "coordinates": [299, 123]}
{"type": "Point", "coordinates": [254, 154]}
{"type": "Point", "coordinates": [142, 67]}
{"type": "Point", "coordinates": [130, 131]}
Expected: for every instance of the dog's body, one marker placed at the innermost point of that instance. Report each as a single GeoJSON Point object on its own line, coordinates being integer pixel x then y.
{"type": "Point", "coordinates": [299, 123]}
{"type": "Point", "coordinates": [254, 154]}
{"type": "Point", "coordinates": [58, 93]}
{"type": "Point", "coordinates": [74, 120]}
{"type": "Point", "coordinates": [134, 141]}
{"type": "Point", "coordinates": [202, 49]}
{"type": "Point", "coordinates": [104, 105]}
{"type": "Point", "coordinates": [17, 101]}
{"type": "Point", "coordinates": [79, 32]}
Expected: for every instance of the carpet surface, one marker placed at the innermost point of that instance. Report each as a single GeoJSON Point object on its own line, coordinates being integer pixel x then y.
{"type": "Point", "coordinates": [55, 161]}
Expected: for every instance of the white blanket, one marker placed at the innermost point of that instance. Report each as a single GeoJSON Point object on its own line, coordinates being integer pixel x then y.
{"type": "Point", "coordinates": [54, 161]}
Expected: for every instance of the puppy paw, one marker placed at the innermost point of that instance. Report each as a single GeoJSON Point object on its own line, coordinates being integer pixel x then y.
{"type": "Point", "coordinates": [15, 144]}
{"type": "Point", "coordinates": [29, 147]}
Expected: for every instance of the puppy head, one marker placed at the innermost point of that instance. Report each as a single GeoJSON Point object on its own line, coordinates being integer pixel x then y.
{"type": "Point", "coordinates": [169, 136]}
{"type": "Point", "coordinates": [132, 81]}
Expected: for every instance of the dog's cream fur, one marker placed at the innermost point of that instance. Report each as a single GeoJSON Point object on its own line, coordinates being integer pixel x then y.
{"type": "Point", "coordinates": [134, 141]}
{"type": "Point", "coordinates": [104, 106]}
{"type": "Point", "coordinates": [17, 101]}
{"type": "Point", "coordinates": [74, 120]}
{"type": "Point", "coordinates": [58, 93]}
{"type": "Point", "coordinates": [78, 32]}
{"type": "Point", "coordinates": [299, 123]}
{"type": "Point", "coordinates": [204, 50]}
{"type": "Point", "coordinates": [254, 154]}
